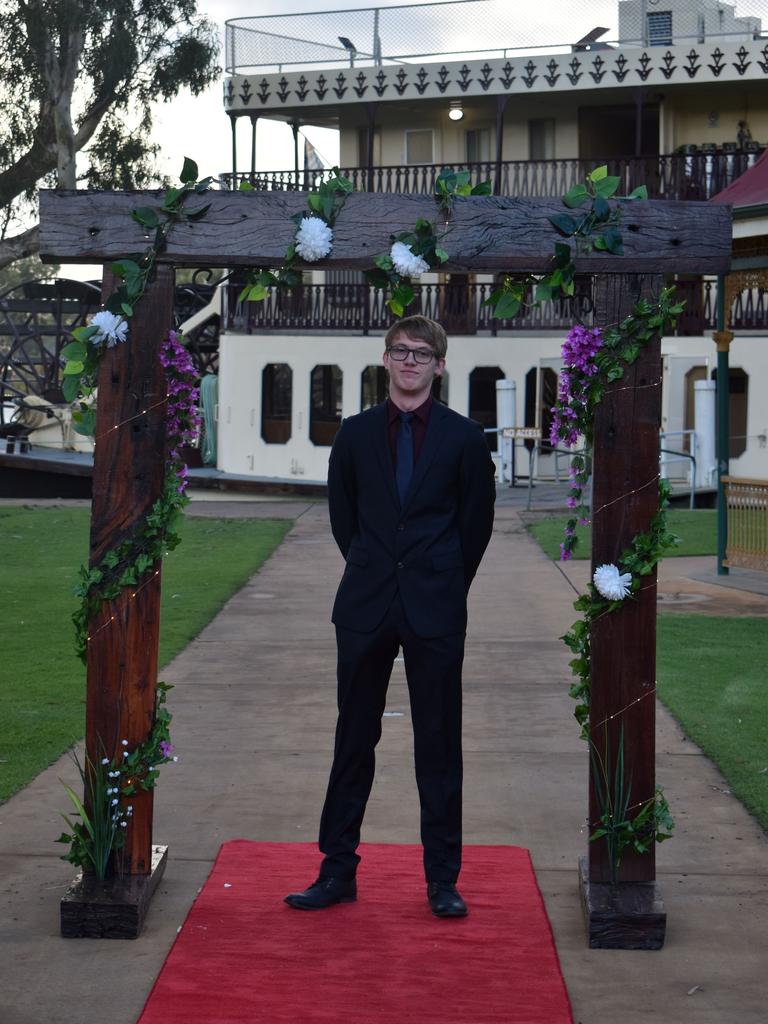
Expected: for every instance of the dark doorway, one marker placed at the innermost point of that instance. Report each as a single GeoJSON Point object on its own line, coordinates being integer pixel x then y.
{"type": "Point", "coordinates": [482, 398]}
{"type": "Point", "coordinates": [611, 132]}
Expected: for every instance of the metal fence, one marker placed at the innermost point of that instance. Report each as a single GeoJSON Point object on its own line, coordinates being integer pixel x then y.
{"type": "Point", "coordinates": [747, 502]}
{"type": "Point", "coordinates": [459, 28]}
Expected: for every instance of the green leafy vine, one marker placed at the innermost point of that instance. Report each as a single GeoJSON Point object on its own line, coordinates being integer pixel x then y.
{"type": "Point", "coordinates": [640, 558]}
{"type": "Point", "coordinates": [109, 327]}
{"type": "Point", "coordinates": [652, 822]}
{"type": "Point", "coordinates": [596, 227]}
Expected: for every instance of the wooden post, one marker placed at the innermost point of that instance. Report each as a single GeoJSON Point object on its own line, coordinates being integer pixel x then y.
{"type": "Point", "coordinates": [128, 473]}
{"type": "Point", "coordinates": [623, 644]}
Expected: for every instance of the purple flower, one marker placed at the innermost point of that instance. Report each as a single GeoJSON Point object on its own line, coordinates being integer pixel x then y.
{"type": "Point", "coordinates": [166, 748]}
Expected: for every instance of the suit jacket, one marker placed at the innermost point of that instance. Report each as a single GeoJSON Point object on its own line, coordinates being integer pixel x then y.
{"type": "Point", "coordinates": [430, 548]}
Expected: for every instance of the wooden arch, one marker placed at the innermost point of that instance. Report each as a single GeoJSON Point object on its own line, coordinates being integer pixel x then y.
{"type": "Point", "coordinates": [486, 233]}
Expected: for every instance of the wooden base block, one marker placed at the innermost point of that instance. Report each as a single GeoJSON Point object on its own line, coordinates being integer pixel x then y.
{"type": "Point", "coordinates": [114, 908]}
{"type": "Point", "coordinates": [630, 915]}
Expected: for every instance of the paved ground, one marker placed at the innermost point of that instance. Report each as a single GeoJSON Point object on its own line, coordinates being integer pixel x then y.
{"type": "Point", "coordinates": [253, 719]}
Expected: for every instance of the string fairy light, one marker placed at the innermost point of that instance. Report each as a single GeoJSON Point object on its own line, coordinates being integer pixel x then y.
{"type": "Point", "coordinates": [632, 807]}
{"type": "Point", "coordinates": [109, 430]}
{"type": "Point", "coordinates": [621, 711]}
{"type": "Point", "coordinates": [111, 619]}
{"type": "Point", "coordinates": [627, 494]}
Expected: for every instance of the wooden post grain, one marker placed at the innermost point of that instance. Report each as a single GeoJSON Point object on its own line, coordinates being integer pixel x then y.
{"type": "Point", "coordinates": [128, 476]}
{"type": "Point", "coordinates": [625, 497]}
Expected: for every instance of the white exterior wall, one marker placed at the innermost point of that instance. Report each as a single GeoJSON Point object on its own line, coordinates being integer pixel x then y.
{"type": "Point", "coordinates": [241, 449]}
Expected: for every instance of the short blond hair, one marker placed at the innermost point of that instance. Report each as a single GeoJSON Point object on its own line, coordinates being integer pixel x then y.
{"type": "Point", "coordinates": [420, 328]}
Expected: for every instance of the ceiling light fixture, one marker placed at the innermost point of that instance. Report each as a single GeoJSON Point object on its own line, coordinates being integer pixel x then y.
{"type": "Point", "coordinates": [456, 113]}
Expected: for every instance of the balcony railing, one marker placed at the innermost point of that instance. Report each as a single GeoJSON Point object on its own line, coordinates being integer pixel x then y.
{"type": "Point", "coordinates": [699, 174]}
{"type": "Point", "coordinates": [359, 309]}
{"type": "Point", "coordinates": [362, 309]}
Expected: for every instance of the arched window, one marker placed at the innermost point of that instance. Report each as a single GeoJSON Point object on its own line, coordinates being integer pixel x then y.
{"type": "Point", "coordinates": [738, 395]}
{"type": "Point", "coordinates": [440, 388]}
{"type": "Point", "coordinates": [276, 399]}
{"type": "Point", "coordinates": [325, 404]}
{"type": "Point", "coordinates": [540, 396]}
{"type": "Point", "coordinates": [373, 386]}
{"type": "Point", "coordinates": [482, 398]}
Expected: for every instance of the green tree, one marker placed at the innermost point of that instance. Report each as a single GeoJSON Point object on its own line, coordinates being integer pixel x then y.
{"type": "Point", "coordinates": [78, 80]}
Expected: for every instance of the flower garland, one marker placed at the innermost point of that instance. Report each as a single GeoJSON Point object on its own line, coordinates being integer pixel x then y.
{"type": "Point", "coordinates": [411, 252]}
{"type": "Point", "coordinates": [127, 564]}
{"type": "Point", "coordinates": [418, 251]}
{"type": "Point", "coordinates": [592, 360]}
{"type": "Point", "coordinates": [312, 241]}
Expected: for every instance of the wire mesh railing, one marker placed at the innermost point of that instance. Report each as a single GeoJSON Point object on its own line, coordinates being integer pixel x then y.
{"type": "Point", "coordinates": [461, 28]}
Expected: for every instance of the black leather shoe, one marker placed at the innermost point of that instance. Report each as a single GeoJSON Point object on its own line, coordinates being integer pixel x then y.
{"type": "Point", "coordinates": [325, 892]}
{"type": "Point", "coordinates": [445, 901]}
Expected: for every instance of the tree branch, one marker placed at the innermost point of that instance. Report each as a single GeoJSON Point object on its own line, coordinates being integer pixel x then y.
{"type": "Point", "coordinates": [39, 160]}
{"type": "Point", "coordinates": [25, 244]}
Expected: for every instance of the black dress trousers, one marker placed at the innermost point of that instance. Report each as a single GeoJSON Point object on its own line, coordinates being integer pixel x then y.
{"type": "Point", "coordinates": [433, 670]}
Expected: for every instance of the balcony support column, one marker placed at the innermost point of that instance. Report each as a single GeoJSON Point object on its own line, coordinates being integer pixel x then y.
{"type": "Point", "coordinates": [254, 119]}
{"type": "Point", "coordinates": [722, 338]}
{"type": "Point", "coordinates": [370, 109]}
{"type": "Point", "coordinates": [639, 97]}
{"type": "Point", "coordinates": [295, 130]}
{"type": "Point", "coordinates": [233, 126]}
{"type": "Point", "coordinates": [501, 102]}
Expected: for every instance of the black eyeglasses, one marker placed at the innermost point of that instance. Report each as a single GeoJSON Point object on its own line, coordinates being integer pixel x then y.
{"type": "Point", "coordinates": [421, 355]}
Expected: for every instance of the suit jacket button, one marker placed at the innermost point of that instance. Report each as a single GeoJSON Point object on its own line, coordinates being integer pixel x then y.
{"type": "Point", "coordinates": [400, 565]}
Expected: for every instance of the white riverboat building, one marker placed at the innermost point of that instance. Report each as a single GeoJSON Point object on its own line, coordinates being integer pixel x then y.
{"type": "Point", "coordinates": [676, 99]}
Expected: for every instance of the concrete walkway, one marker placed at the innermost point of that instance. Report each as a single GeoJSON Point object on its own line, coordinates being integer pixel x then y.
{"type": "Point", "coordinates": [253, 721]}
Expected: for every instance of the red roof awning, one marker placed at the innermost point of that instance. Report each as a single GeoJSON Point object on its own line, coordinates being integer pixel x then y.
{"type": "Point", "coordinates": [749, 189]}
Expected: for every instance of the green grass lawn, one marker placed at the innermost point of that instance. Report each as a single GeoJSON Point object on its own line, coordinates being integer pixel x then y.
{"type": "Point", "coordinates": [696, 529]}
{"type": "Point", "coordinates": [712, 676]}
{"type": "Point", "coordinates": [42, 682]}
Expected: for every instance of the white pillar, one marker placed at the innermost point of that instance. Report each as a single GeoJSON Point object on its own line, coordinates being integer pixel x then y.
{"type": "Point", "coordinates": [704, 412]}
{"type": "Point", "coordinates": [506, 400]}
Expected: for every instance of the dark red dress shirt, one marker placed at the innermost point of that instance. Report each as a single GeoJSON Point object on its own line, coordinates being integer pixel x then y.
{"type": "Point", "coordinates": [418, 426]}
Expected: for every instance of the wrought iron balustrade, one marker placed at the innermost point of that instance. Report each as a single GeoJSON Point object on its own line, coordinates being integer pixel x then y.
{"type": "Point", "coordinates": [362, 309]}
{"type": "Point", "coordinates": [694, 175]}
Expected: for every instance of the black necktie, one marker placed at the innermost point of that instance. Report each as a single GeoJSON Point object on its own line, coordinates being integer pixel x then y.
{"type": "Point", "coordinates": [404, 456]}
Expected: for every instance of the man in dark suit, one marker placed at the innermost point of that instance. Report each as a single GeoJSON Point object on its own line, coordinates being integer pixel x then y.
{"type": "Point", "coordinates": [411, 493]}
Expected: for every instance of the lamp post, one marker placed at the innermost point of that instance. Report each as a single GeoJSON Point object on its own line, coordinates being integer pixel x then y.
{"type": "Point", "coordinates": [348, 45]}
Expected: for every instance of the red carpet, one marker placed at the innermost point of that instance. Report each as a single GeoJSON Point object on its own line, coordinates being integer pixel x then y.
{"type": "Point", "coordinates": [244, 957]}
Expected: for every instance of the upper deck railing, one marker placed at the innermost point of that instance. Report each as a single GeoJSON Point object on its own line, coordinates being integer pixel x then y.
{"type": "Point", "coordinates": [699, 173]}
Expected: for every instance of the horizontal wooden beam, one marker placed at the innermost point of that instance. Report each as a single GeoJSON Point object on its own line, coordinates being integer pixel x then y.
{"type": "Point", "coordinates": [485, 233]}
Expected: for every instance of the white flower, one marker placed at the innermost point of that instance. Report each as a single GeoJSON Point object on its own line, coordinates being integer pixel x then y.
{"type": "Point", "coordinates": [105, 760]}
{"type": "Point", "coordinates": [406, 262]}
{"type": "Point", "coordinates": [111, 328]}
{"type": "Point", "coordinates": [313, 239]}
{"type": "Point", "coordinates": [611, 583]}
